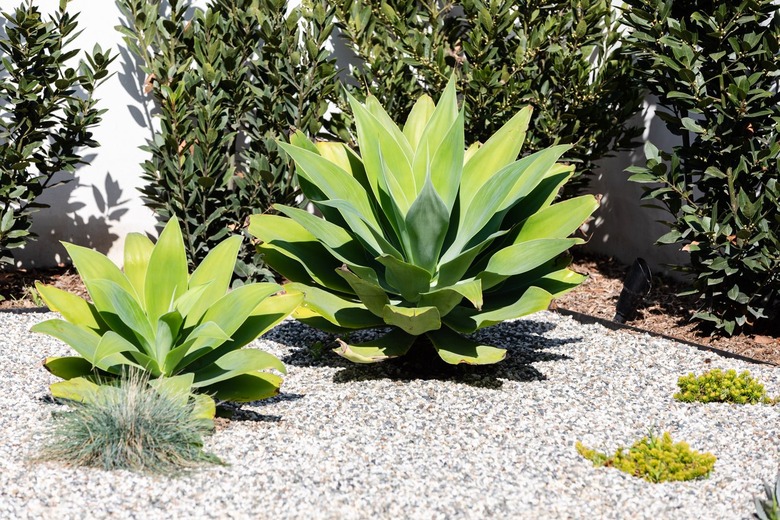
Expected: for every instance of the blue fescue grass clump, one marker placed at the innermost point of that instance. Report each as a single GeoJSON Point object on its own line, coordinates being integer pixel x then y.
{"type": "Point", "coordinates": [133, 426]}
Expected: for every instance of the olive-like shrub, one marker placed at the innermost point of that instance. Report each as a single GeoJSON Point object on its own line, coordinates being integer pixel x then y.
{"type": "Point", "coordinates": [717, 386]}
{"type": "Point", "coordinates": [656, 459]}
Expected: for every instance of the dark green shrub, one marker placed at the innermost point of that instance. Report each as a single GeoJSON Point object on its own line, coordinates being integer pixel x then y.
{"type": "Point", "coordinates": [227, 81]}
{"type": "Point", "coordinates": [714, 67]}
{"type": "Point", "coordinates": [656, 459]}
{"type": "Point", "coordinates": [133, 426]}
{"type": "Point", "coordinates": [508, 55]}
{"type": "Point", "coordinates": [717, 386]}
{"type": "Point", "coordinates": [47, 110]}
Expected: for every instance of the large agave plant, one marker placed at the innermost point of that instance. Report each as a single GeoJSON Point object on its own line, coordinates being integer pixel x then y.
{"type": "Point", "coordinates": [422, 235]}
{"type": "Point", "coordinates": [183, 331]}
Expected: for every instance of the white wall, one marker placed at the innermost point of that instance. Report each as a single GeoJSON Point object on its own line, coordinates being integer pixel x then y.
{"type": "Point", "coordinates": [104, 204]}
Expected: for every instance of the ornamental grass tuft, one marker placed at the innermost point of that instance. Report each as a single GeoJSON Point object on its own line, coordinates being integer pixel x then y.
{"type": "Point", "coordinates": [656, 459]}
{"type": "Point", "coordinates": [131, 425]}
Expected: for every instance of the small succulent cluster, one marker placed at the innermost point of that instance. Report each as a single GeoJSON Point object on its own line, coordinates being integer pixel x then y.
{"type": "Point", "coordinates": [656, 459]}
{"type": "Point", "coordinates": [132, 425]}
{"type": "Point", "coordinates": [717, 386]}
{"type": "Point", "coordinates": [769, 507]}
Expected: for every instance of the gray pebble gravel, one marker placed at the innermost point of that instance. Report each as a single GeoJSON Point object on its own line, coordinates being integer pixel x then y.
{"type": "Point", "coordinates": [346, 441]}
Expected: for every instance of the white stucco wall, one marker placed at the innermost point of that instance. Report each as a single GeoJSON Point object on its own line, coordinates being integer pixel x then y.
{"type": "Point", "coordinates": [104, 204]}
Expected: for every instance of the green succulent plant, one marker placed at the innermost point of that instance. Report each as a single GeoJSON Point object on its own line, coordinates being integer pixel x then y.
{"type": "Point", "coordinates": [717, 386]}
{"type": "Point", "coordinates": [422, 235]}
{"type": "Point", "coordinates": [656, 459]}
{"type": "Point", "coordinates": [769, 508]}
{"type": "Point", "coordinates": [156, 317]}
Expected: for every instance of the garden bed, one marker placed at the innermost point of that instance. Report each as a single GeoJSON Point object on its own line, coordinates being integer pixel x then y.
{"type": "Point", "coordinates": [351, 441]}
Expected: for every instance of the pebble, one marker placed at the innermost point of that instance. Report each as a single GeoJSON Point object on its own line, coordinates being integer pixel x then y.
{"type": "Point", "coordinates": [348, 441]}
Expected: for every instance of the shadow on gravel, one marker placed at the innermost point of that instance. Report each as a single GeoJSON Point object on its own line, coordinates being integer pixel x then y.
{"type": "Point", "coordinates": [524, 340]}
{"type": "Point", "coordinates": [237, 412]}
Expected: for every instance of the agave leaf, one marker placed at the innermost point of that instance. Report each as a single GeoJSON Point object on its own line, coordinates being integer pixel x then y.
{"type": "Point", "coordinates": [441, 127]}
{"type": "Point", "coordinates": [559, 220]}
{"type": "Point", "coordinates": [393, 344]}
{"type": "Point", "coordinates": [334, 182]}
{"type": "Point", "coordinates": [81, 339]}
{"type": "Point", "coordinates": [203, 407]}
{"type": "Point", "coordinates": [446, 163]}
{"type": "Point", "coordinates": [455, 349]}
{"type": "Point", "coordinates": [205, 336]}
{"type": "Point", "coordinates": [372, 238]}
{"type": "Point", "coordinates": [111, 344]}
{"type": "Point", "coordinates": [556, 282]}
{"type": "Point", "coordinates": [138, 250]}
{"type": "Point", "coordinates": [176, 387]}
{"type": "Point", "coordinates": [338, 311]}
{"type": "Point", "coordinates": [446, 298]}
{"type": "Point", "coordinates": [335, 153]}
{"type": "Point", "coordinates": [74, 309]}
{"type": "Point", "coordinates": [110, 298]}
{"type": "Point", "coordinates": [194, 296]}
{"type": "Point", "coordinates": [168, 327]}
{"type": "Point", "coordinates": [408, 279]}
{"type": "Point", "coordinates": [453, 267]}
{"type": "Point", "coordinates": [92, 265]}
{"type": "Point", "coordinates": [235, 363]}
{"type": "Point", "coordinates": [214, 273]}
{"type": "Point", "coordinates": [167, 275]}
{"type": "Point", "coordinates": [523, 257]}
{"type": "Point", "coordinates": [293, 240]}
{"type": "Point", "coordinates": [418, 119]}
{"type": "Point", "coordinates": [412, 320]}
{"type": "Point", "coordinates": [502, 148]}
{"type": "Point", "coordinates": [465, 320]}
{"type": "Point", "coordinates": [370, 294]}
{"type": "Point", "coordinates": [377, 110]}
{"type": "Point", "coordinates": [230, 311]}
{"type": "Point", "coordinates": [426, 225]}
{"type": "Point", "coordinates": [76, 389]}
{"type": "Point", "coordinates": [68, 367]}
{"type": "Point", "coordinates": [245, 388]}
{"type": "Point", "coordinates": [470, 151]}
{"type": "Point", "coordinates": [543, 195]}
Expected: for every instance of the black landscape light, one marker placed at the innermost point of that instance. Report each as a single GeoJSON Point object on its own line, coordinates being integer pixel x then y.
{"type": "Point", "coordinates": [638, 282]}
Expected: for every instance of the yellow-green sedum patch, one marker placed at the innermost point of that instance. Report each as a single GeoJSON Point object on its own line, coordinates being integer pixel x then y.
{"type": "Point", "coordinates": [717, 386]}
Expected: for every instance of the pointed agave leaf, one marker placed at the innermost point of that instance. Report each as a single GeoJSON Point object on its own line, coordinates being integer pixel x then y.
{"type": "Point", "coordinates": [502, 148]}
{"type": "Point", "coordinates": [138, 250]}
{"type": "Point", "coordinates": [336, 310]}
{"type": "Point", "coordinates": [533, 300]}
{"type": "Point", "coordinates": [82, 340]}
{"type": "Point", "coordinates": [74, 309]}
{"type": "Point", "coordinates": [559, 220]}
{"type": "Point", "coordinates": [235, 363]}
{"type": "Point", "coordinates": [455, 349]}
{"type": "Point", "coordinates": [453, 267]}
{"type": "Point", "coordinates": [523, 257]}
{"type": "Point", "coordinates": [176, 387]}
{"type": "Point", "coordinates": [426, 224]}
{"type": "Point", "coordinates": [111, 344]}
{"type": "Point", "coordinates": [245, 388]}
{"type": "Point", "coordinates": [205, 336]}
{"type": "Point", "coordinates": [446, 164]}
{"type": "Point", "coordinates": [372, 238]}
{"type": "Point", "coordinates": [230, 311]}
{"type": "Point", "coordinates": [168, 327]}
{"type": "Point", "coordinates": [418, 119]}
{"type": "Point", "coordinates": [215, 273]}
{"type": "Point", "coordinates": [370, 294]}
{"type": "Point", "coordinates": [68, 367]}
{"type": "Point", "coordinates": [335, 153]}
{"type": "Point", "coordinates": [167, 275]}
{"type": "Point", "coordinates": [542, 195]}
{"type": "Point", "coordinates": [393, 344]}
{"type": "Point", "coordinates": [334, 182]}
{"type": "Point", "coordinates": [408, 279]}
{"type": "Point", "coordinates": [412, 320]}
{"type": "Point", "coordinates": [92, 265]}
{"type": "Point", "coordinates": [115, 300]}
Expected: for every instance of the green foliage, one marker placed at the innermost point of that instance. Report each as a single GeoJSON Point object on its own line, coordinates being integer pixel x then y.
{"type": "Point", "coordinates": [769, 507]}
{"type": "Point", "coordinates": [717, 386]}
{"type": "Point", "coordinates": [560, 56]}
{"type": "Point", "coordinates": [130, 425]}
{"type": "Point", "coordinates": [156, 317]}
{"type": "Point", "coordinates": [47, 111]}
{"type": "Point", "coordinates": [656, 459]}
{"type": "Point", "coordinates": [420, 235]}
{"type": "Point", "coordinates": [714, 68]}
{"type": "Point", "coordinates": [227, 82]}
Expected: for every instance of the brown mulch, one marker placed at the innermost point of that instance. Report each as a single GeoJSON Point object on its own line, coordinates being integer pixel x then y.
{"type": "Point", "coordinates": [661, 312]}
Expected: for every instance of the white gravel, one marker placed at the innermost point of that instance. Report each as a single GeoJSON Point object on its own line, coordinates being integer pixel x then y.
{"type": "Point", "coordinates": [346, 441]}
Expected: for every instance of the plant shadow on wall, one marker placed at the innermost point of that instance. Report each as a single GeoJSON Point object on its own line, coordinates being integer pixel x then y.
{"type": "Point", "coordinates": [524, 340]}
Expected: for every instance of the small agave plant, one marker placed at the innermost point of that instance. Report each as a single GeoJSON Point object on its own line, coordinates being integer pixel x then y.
{"type": "Point", "coordinates": [181, 330]}
{"type": "Point", "coordinates": [422, 235]}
